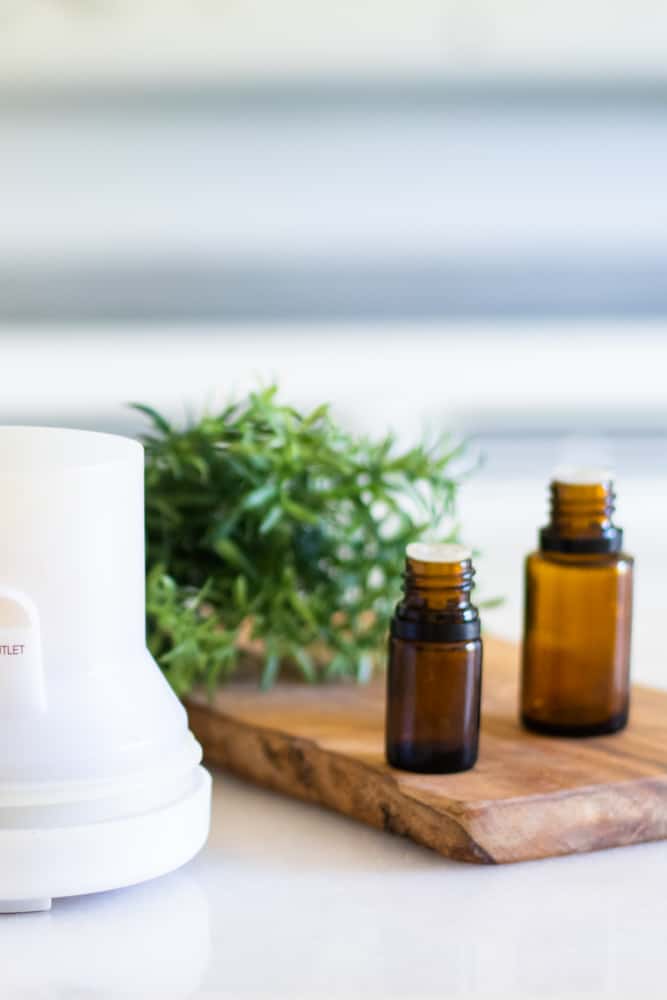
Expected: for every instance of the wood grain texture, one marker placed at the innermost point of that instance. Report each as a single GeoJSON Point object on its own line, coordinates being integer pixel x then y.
{"type": "Point", "coordinates": [528, 797]}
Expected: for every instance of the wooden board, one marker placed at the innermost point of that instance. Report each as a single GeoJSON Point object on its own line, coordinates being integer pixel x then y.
{"type": "Point", "coordinates": [528, 797]}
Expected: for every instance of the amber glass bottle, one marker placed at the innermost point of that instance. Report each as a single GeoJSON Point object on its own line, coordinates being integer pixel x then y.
{"type": "Point", "coordinates": [578, 614]}
{"type": "Point", "coordinates": [435, 664]}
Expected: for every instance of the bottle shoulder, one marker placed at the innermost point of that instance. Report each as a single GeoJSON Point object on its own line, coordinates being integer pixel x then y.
{"type": "Point", "coordinates": [597, 559]}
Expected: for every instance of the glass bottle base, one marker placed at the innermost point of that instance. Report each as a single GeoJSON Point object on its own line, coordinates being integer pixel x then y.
{"type": "Point", "coordinates": [611, 725]}
{"type": "Point", "coordinates": [430, 758]}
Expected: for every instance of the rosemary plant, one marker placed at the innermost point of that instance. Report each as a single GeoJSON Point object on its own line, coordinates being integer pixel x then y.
{"type": "Point", "coordinates": [278, 534]}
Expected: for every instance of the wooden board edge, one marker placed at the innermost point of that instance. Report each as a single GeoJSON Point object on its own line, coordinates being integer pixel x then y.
{"type": "Point", "coordinates": [298, 767]}
{"type": "Point", "coordinates": [574, 821]}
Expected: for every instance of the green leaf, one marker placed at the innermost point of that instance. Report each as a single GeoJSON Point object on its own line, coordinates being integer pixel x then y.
{"type": "Point", "coordinates": [241, 592]}
{"type": "Point", "coordinates": [258, 497]}
{"type": "Point", "coordinates": [316, 415]}
{"type": "Point", "coordinates": [232, 554]}
{"type": "Point", "coordinates": [271, 520]}
{"type": "Point", "coordinates": [153, 415]}
{"type": "Point", "coordinates": [305, 663]}
{"type": "Point", "coordinates": [338, 667]}
{"type": "Point", "coordinates": [200, 466]}
{"type": "Point", "coordinates": [364, 668]}
{"type": "Point", "coordinates": [270, 671]}
{"type": "Point", "coordinates": [298, 512]}
{"type": "Point", "coordinates": [302, 608]}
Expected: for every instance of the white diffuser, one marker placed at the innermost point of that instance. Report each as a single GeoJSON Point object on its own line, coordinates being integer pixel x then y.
{"type": "Point", "coordinates": [100, 783]}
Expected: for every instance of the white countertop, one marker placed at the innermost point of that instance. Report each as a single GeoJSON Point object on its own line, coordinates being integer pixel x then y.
{"type": "Point", "coordinates": [289, 901]}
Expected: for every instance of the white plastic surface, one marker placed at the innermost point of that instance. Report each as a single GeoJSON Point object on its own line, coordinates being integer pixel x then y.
{"type": "Point", "coordinates": [25, 905]}
{"type": "Point", "coordinates": [52, 861]}
{"type": "Point", "coordinates": [90, 731]}
{"type": "Point", "coordinates": [72, 543]}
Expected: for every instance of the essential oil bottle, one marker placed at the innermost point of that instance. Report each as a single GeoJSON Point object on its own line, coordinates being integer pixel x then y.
{"type": "Point", "coordinates": [435, 664]}
{"type": "Point", "coordinates": [578, 614]}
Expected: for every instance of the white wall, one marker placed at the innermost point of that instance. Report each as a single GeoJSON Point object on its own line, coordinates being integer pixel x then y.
{"type": "Point", "coordinates": [244, 181]}
{"type": "Point", "coordinates": [153, 40]}
{"type": "Point", "coordinates": [512, 378]}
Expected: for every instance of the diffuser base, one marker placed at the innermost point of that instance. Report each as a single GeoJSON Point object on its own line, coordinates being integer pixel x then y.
{"type": "Point", "coordinates": [24, 905]}
{"type": "Point", "coordinates": [46, 862]}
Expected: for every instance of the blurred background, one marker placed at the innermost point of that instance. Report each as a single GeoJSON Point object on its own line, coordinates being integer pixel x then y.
{"type": "Point", "coordinates": [434, 213]}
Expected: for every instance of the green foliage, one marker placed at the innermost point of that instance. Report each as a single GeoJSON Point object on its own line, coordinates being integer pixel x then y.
{"type": "Point", "coordinates": [278, 532]}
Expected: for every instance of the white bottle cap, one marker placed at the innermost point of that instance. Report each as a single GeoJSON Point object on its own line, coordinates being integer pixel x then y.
{"type": "Point", "coordinates": [582, 475]}
{"type": "Point", "coordinates": [437, 552]}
